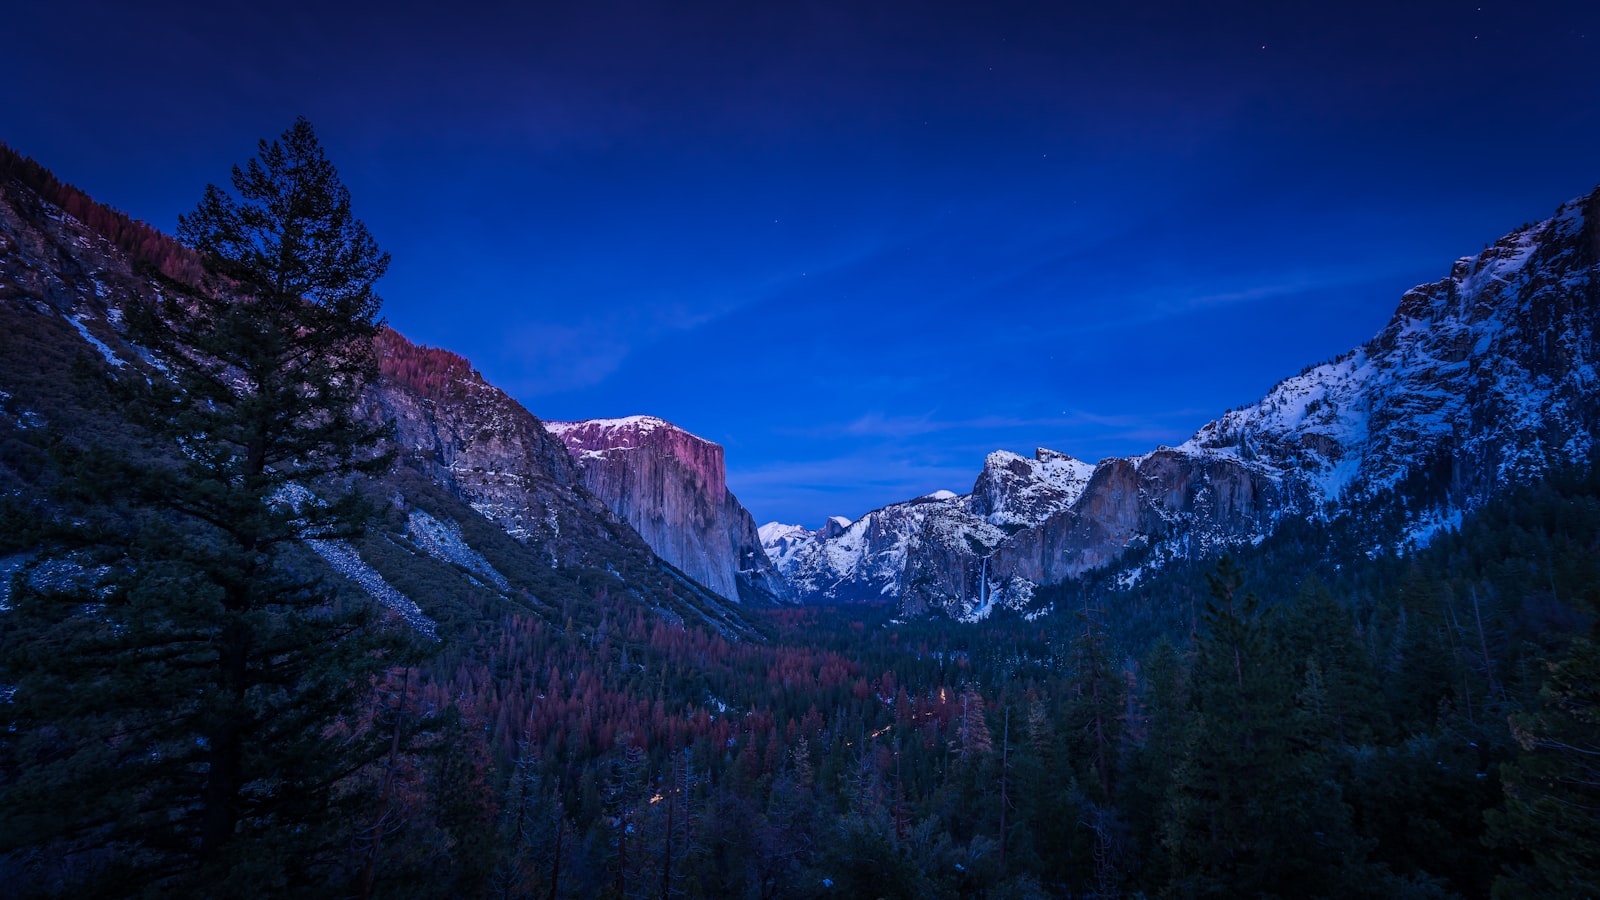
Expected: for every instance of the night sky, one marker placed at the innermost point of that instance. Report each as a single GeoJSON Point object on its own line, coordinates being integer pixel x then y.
{"type": "Point", "coordinates": [858, 244]}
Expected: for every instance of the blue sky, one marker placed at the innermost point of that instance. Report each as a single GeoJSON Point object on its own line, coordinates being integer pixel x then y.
{"type": "Point", "coordinates": [858, 244]}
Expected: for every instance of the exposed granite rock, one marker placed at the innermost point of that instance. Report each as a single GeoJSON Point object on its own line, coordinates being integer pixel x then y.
{"type": "Point", "coordinates": [474, 440]}
{"type": "Point", "coordinates": [1211, 502]}
{"type": "Point", "coordinates": [947, 564]}
{"type": "Point", "coordinates": [671, 486]}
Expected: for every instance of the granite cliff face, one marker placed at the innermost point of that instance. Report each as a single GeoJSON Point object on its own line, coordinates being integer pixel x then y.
{"type": "Point", "coordinates": [671, 487]}
{"type": "Point", "coordinates": [1206, 502]}
{"type": "Point", "coordinates": [1484, 378]}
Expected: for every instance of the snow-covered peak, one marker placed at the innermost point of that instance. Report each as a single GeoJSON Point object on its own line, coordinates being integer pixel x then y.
{"type": "Point", "coordinates": [1486, 377]}
{"type": "Point", "coordinates": [602, 439]}
{"type": "Point", "coordinates": [782, 543]}
{"type": "Point", "coordinates": [1017, 490]}
{"type": "Point", "coordinates": [940, 495]}
{"type": "Point", "coordinates": [772, 531]}
{"type": "Point", "coordinates": [1472, 365]}
{"type": "Point", "coordinates": [633, 425]}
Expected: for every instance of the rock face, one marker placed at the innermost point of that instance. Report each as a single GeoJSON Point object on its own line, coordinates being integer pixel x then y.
{"type": "Point", "coordinates": [1209, 502]}
{"type": "Point", "coordinates": [471, 438]}
{"type": "Point", "coordinates": [1015, 490]}
{"type": "Point", "coordinates": [63, 289]}
{"type": "Point", "coordinates": [671, 486]}
{"type": "Point", "coordinates": [1492, 369]}
{"type": "Point", "coordinates": [1484, 378]}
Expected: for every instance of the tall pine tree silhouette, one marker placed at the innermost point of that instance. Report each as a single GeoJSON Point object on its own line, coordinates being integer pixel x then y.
{"type": "Point", "coordinates": [178, 689]}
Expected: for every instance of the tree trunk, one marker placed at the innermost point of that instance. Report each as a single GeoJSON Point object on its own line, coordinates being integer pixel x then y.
{"type": "Point", "coordinates": [225, 759]}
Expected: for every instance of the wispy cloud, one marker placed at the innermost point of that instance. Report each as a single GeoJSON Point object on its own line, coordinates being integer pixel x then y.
{"type": "Point", "coordinates": [1163, 303]}
{"type": "Point", "coordinates": [880, 425]}
{"type": "Point", "coordinates": [551, 357]}
{"type": "Point", "coordinates": [848, 485]}
{"type": "Point", "coordinates": [890, 458]}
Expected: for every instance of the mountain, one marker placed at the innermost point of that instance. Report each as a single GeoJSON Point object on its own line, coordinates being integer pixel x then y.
{"type": "Point", "coordinates": [845, 561]}
{"type": "Point", "coordinates": [469, 455]}
{"type": "Point", "coordinates": [923, 549]}
{"type": "Point", "coordinates": [671, 486]}
{"type": "Point", "coordinates": [1484, 378]}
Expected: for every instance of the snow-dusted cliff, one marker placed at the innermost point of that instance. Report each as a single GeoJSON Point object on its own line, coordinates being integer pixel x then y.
{"type": "Point", "coordinates": [1483, 378]}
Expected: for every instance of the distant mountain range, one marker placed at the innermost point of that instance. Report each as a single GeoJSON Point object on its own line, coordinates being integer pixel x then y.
{"type": "Point", "coordinates": [1484, 378]}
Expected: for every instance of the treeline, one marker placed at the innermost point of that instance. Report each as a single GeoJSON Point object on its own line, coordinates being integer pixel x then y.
{"type": "Point", "coordinates": [142, 243]}
{"type": "Point", "coordinates": [1414, 726]}
{"type": "Point", "coordinates": [426, 370]}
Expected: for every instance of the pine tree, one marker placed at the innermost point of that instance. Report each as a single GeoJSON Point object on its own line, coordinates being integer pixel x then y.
{"type": "Point", "coordinates": [1317, 637]}
{"type": "Point", "coordinates": [1552, 802]}
{"type": "Point", "coordinates": [181, 678]}
{"type": "Point", "coordinates": [1161, 725]}
{"type": "Point", "coordinates": [1251, 812]}
{"type": "Point", "coordinates": [1095, 706]}
{"type": "Point", "coordinates": [973, 740]}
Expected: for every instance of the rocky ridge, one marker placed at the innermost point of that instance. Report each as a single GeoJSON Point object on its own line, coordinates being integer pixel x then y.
{"type": "Point", "coordinates": [1484, 378]}
{"type": "Point", "coordinates": [930, 546]}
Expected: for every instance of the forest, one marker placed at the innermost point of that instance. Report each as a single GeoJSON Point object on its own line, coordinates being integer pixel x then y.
{"type": "Point", "coordinates": [193, 708]}
{"type": "Point", "coordinates": [1416, 725]}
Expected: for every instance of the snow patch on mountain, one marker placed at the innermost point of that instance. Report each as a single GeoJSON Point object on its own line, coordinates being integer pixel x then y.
{"type": "Point", "coordinates": [443, 541]}
{"type": "Point", "coordinates": [105, 349]}
{"type": "Point", "coordinates": [344, 559]}
{"type": "Point", "coordinates": [630, 426]}
{"type": "Point", "coordinates": [783, 542]}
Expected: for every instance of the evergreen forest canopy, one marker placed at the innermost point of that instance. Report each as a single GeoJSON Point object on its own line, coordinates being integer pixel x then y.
{"type": "Point", "coordinates": [193, 707]}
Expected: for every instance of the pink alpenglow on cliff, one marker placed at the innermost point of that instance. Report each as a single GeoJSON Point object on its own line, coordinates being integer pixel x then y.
{"type": "Point", "coordinates": [671, 486]}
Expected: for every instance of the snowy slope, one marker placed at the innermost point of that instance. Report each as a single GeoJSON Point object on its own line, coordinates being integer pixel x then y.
{"type": "Point", "coordinates": [1016, 490]}
{"type": "Point", "coordinates": [845, 561]}
{"type": "Point", "coordinates": [867, 559]}
{"type": "Point", "coordinates": [1484, 378]}
{"type": "Point", "coordinates": [1494, 365]}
